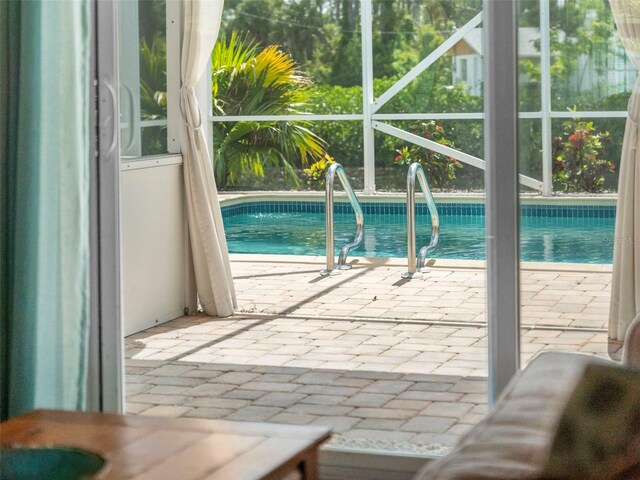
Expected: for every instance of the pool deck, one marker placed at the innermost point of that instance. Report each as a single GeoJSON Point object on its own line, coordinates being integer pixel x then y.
{"type": "Point", "coordinates": [389, 364]}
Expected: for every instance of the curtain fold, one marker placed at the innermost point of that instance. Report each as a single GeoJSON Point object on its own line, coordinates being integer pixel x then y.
{"type": "Point", "coordinates": [214, 281]}
{"type": "Point", "coordinates": [45, 148]}
{"type": "Point", "coordinates": [625, 288]}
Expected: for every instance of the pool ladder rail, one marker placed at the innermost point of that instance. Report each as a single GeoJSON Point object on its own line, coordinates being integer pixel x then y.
{"type": "Point", "coordinates": [416, 264]}
{"type": "Point", "coordinates": [336, 170]}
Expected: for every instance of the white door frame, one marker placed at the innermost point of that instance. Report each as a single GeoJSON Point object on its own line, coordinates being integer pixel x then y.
{"type": "Point", "coordinates": [106, 350]}
{"type": "Point", "coordinates": [502, 196]}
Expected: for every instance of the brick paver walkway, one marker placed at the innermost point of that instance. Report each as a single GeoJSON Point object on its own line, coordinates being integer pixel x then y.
{"type": "Point", "coordinates": [387, 364]}
{"type": "Point", "coordinates": [559, 295]}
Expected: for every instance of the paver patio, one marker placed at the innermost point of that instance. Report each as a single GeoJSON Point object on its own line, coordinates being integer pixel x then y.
{"type": "Point", "coordinates": [552, 294]}
{"type": "Point", "coordinates": [388, 364]}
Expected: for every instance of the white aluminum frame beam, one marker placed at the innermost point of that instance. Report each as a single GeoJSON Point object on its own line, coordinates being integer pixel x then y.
{"type": "Point", "coordinates": [428, 116]}
{"type": "Point", "coordinates": [589, 114]}
{"type": "Point", "coordinates": [400, 116]}
{"type": "Point", "coordinates": [430, 144]}
{"type": "Point", "coordinates": [106, 281]}
{"type": "Point", "coordinates": [285, 118]}
{"type": "Point", "coordinates": [368, 140]}
{"type": "Point", "coordinates": [153, 123]}
{"type": "Point", "coordinates": [174, 48]}
{"type": "Point", "coordinates": [450, 152]}
{"type": "Point", "coordinates": [545, 99]}
{"type": "Point", "coordinates": [572, 114]}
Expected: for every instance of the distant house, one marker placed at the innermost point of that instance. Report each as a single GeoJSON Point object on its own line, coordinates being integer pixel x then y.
{"type": "Point", "coordinates": [608, 69]}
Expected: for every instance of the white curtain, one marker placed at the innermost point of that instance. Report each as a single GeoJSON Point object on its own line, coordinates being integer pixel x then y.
{"type": "Point", "coordinates": [208, 244]}
{"type": "Point", "coordinates": [625, 289]}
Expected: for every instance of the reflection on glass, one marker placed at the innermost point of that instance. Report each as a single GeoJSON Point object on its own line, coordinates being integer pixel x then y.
{"type": "Point", "coordinates": [530, 151]}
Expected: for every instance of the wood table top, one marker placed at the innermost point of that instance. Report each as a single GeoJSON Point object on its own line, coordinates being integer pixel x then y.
{"type": "Point", "coordinates": [170, 448]}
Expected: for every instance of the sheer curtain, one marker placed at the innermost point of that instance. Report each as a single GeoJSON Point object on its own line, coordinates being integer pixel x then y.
{"type": "Point", "coordinates": [209, 247]}
{"type": "Point", "coordinates": [625, 289]}
{"type": "Point", "coordinates": [44, 188]}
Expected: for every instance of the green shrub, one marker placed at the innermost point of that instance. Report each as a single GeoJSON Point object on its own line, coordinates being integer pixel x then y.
{"type": "Point", "coordinates": [577, 154]}
{"type": "Point", "coordinates": [440, 169]}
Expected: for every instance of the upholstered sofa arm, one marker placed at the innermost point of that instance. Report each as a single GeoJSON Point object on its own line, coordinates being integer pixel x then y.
{"type": "Point", "coordinates": [554, 415]}
{"type": "Point", "coordinates": [631, 348]}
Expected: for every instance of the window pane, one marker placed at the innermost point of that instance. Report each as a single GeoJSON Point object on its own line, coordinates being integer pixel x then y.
{"type": "Point", "coordinates": [143, 78]}
{"type": "Point", "coordinates": [529, 80]}
{"type": "Point", "coordinates": [589, 67]}
{"type": "Point", "coordinates": [404, 33]}
{"type": "Point", "coordinates": [566, 240]}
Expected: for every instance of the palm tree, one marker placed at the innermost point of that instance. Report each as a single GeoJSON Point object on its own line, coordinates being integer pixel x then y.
{"type": "Point", "coordinates": [247, 80]}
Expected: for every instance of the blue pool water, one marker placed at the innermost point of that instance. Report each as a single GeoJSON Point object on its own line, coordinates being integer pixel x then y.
{"type": "Point", "coordinates": [551, 233]}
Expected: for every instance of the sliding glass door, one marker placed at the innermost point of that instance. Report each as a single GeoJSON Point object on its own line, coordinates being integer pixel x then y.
{"type": "Point", "coordinates": [574, 84]}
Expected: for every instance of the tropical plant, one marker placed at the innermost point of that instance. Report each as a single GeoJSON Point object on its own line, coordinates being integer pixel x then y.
{"type": "Point", "coordinates": [578, 163]}
{"type": "Point", "coordinates": [317, 172]}
{"type": "Point", "coordinates": [248, 80]}
{"type": "Point", "coordinates": [440, 169]}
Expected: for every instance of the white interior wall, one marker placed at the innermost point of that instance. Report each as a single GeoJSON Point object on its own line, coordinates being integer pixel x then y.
{"type": "Point", "coordinates": [153, 242]}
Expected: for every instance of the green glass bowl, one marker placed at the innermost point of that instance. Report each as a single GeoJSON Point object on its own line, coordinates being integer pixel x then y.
{"type": "Point", "coordinates": [56, 463]}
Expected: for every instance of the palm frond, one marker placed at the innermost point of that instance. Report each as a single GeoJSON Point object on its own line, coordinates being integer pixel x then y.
{"type": "Point", "coordinates": [153, 83]}
{"type": "Point", "coordinates": [247, 80]}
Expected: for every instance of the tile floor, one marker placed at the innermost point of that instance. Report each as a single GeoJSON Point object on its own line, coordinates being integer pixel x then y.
{"type": "Point", "coordinates": [388, 364]}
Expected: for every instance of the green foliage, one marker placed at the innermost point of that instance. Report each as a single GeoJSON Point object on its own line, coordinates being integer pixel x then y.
{"type": "Point", "coordinates": [153, 94]}
{"type": "Point", "coordinates": [247, 80]}
{"type": "Point", "coordinates": [317, 172]}
{"type": "Point", "coordinates": [323, 36]}
{"type": "Point", "coordinates": [440, 169]}
{"type": "Point", "coordinates": [578, 29]}
{"type": "Point", "coordinates": [151, 19]}
{"type": "Point", "coordinates": [343, 138]}
{"type": "Point", "coordinates": [153, 79]}
{"type": "Point", "coordinates": [578, 163]}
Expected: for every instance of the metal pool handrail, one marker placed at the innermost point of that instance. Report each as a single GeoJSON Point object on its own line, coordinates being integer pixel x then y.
{"type": "Point", "coordinates": [416, 265]}
{"type": "Point", "coordinates": [337, 170]}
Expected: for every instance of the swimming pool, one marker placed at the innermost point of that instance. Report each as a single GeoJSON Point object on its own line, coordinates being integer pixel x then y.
{"type": "Point", "coordinates": [548, 233]}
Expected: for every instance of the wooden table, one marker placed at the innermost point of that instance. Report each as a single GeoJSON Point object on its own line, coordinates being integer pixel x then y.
{"type": "Point", "coordinates": [175, 449]}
